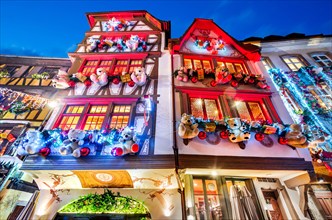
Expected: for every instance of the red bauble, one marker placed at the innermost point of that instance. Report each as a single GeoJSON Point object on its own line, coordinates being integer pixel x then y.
{"type": "Point", "coordinates": [224, 134]}
{"type": "Point", "coordinates": [71, 83]}
{"type": "Point", "coordinates": [202, 135]}
{"type": "Point", "coordinates": [144, 47]}
{"type": "Point", "coordinates": [131, 83]}
{"type": "Point", "coordinates": [87, 83]}
{"type": "Point", "coordinates": [45, 151]}
{"type": "Point", "coordinates": [117, 151]}
{"type": "Point", "coordinates": [120, 26]}
{"type": "Point", "coordinates": [134, 148]}
{"type": "Point", "coordinates": [259, 136]}
{"type": "Point", "coordinates": [194, 79]}
{"type": "Point", "coordinates": [84, 151]}
{"type": "Point", "coordinates": [213, 83]}
{"type": "Point", "coordinates": [251, 80]}
{"type": "Point", "coordinates": [234, 83]}
{"type": "Point", "coordinates": [116, 81]}
{"type": "Point", "coordinates": [282, 140]}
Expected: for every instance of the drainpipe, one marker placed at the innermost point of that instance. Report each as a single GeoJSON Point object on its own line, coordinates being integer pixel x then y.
{"type": "Point", "coordinates": [175, 148]}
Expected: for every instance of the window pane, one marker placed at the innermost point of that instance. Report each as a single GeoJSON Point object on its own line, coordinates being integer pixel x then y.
{"type": "Point", "coordinates": [221, 64]}
{"type": "Point", "coordinates": [230, 67]}
{"type": "Point", "coordinates": [242, 110]}
{"type": "Point", "coordinates": [128, 107]}
{"type": "Point", "coordinates": [256, 111]}
{"type": "Point", "coordinates": [197, 107]}
{"type": "Point", "coordinates": [211, 109]}
{"type": "Point", "coordinates": [238, 67]}
{"type": "Point", "coordinates": [93, 122]}
{"type": "Point", "coordinates": [206, 64]}
{"type": "Point", "coordinates": [197, 64]}
{"type": "Point", "coordinates": [68, 122]}
{"type": "Point", "coordinates": [187, 63]}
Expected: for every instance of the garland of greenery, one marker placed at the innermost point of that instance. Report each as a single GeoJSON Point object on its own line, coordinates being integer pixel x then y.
{"type": "Point", "coordinates": [43, 75]}
{"type": "Point", "coordinates": [4, 74]}
{"type": "Point", "coordinates": [105, 203]}
{"type": "Point", "coordinates": [18, 108]}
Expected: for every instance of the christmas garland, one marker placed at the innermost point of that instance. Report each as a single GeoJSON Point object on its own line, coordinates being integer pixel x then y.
{"type": "Point", "coordinates": [220, 76]}
{"type": "Point", "coordinates": [19, 102]}
{"type": "Point", "coordinates": [295, 135]}
{"type": "Point", "coordinates": [116, 25]}
{"type": "Point", "coordinates": [85, 141]}
{"type": "Point", "coordinates": [4, 74]}
{"type": "Point", "coordinates": [43, 75]}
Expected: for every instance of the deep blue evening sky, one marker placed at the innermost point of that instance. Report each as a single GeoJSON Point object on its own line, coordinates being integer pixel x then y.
{"type": "Point", "coordinates": [53, 28]}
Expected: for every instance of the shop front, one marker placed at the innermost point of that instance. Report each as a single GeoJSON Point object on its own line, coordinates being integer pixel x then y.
{"type": "Point", "coordinates": [105, 194]}
{"type": "Point", "coordinates": [243, 194]}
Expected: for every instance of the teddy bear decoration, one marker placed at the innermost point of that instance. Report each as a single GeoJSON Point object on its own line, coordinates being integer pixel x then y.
{"type": "Point", "coordinates": [237, 131]}
{"type": "Point", "coordinates": [139, 76]}
{"type": "Point", "coordinates": [100, 77]}
{"type": "Point", "coordinates": [126, 143]}
{"type": "Point", "coordinates": [74, 145]}
{"type": "Point", "coordinates": [61, 81]}
{"type": "Point", "coordinates": [33, 143]}
{"type": "Point", "coordinates": [188, 128]}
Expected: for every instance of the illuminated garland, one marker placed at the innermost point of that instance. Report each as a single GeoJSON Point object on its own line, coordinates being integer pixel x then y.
{"type": "Point", "coordinates": [19, 102]}
{"type": "Point", "coordinates": [125, 43]}
{"type": "Point", "coordinates": [36, 142]}
{"type": "Point", "coordinates": [220, 76]}
{"type": "Point", "coordinates": [116, 25]}
{"type": "Point", "coordinates": [300, 84]}
{"type": "Point", "coordinates": [238, 131]}
{"type": "Point", "coordinates": [210, 44]}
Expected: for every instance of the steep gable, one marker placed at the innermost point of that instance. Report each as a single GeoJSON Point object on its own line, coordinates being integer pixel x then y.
{"type": "Point", "coordinates": [207, 38]}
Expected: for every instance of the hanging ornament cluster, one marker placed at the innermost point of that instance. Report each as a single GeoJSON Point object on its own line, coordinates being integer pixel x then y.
{"type": "Point", "coordinates": [239, 131]}
{"type": "Point", "coordinates": [19, 102]}
{"type": "Point", "coordinates": [212, 45]}
{"type": "Point", "coordinates": [116, 25]}
{"type": "Point", "coordinates": [220, 76]}
{"type": "Point", "coordinates": [101, 77]}
{"type": "Point", "coordinates": [133, 43]}
{"type": "Point", "coordinates": [78, 143]}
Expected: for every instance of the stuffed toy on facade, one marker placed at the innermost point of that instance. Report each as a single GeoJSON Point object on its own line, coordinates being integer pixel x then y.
{"type": "Point", "coordinates": [61, 81]}
{"type": "Point", "coordinates": [222, 76]}
{"type": "Point", "coordinates": [127, 143]}
{"type": "Point", "coordinates": [32, 143]}
{"type": "Point", "coordinates": [73, 144]}
{"type": "Point", "coordinates": [295, 136]}
{"type": "Point", "coordinates": [100, 77]}
{"type": "Point", "coordinates": [92, 45]}
{"type": "Point", "coordinates": [188, 129]}
{"type": "Point", "coordinates": [133, 42]}
{"type": "Point", "coordinates": [182, 74]}
{"type": "Point", "coordinates": [139, 76]}
{"type": "Point", "coordinates": [237, 130]}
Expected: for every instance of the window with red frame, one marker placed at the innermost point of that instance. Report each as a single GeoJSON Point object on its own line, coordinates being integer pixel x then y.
{"type": "Point", "coordinates": [70, 117]}
{"type": "Point", "coordinates": [127, 66]}
{"type": "Point", "coordinates": [197, 63]}
{"type": "Point", "coordinates": [232, 67]}
{"type": "Point", "coordinates": [95, 117]}
{"type": "Point", "coordinates": [120, 116]}
{"type": "Point", "coordinates": [91, 66]}
{"type": "Point", "coordinates": [250, 110]}
{"type": "Point", "coordinates": [205, 108]}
